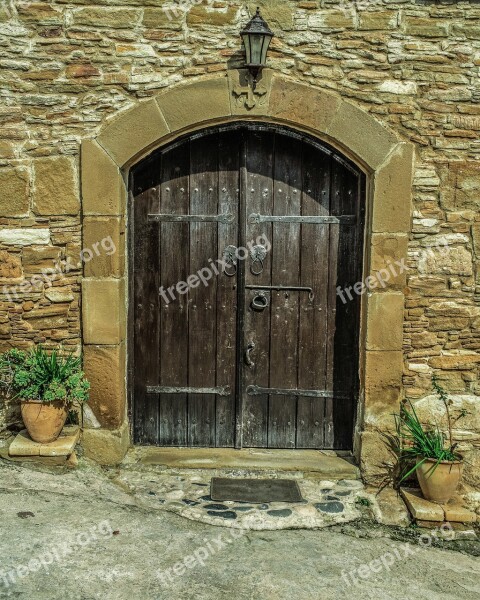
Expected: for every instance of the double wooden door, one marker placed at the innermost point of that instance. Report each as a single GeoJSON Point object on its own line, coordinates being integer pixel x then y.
{"type": "Point", "coordinates": [242, 238]}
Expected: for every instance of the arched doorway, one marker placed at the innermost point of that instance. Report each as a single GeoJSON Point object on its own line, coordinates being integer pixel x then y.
{"type": "Point", "coordinates": [241, 235]}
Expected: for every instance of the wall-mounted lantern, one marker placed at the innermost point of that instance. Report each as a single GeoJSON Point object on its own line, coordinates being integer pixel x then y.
{"type": "Point", "coordinates": [256, 36]}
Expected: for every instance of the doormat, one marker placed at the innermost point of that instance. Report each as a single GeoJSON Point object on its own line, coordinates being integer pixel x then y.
{"type": "Point", "coordinates": [255, 490]}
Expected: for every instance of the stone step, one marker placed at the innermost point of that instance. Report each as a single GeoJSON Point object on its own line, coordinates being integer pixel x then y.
{"type": "Point", "coordinates": [315, 463]}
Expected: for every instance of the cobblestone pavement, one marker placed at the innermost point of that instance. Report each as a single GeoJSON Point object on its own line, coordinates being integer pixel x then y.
{"type": "Point", "coordinates": [80, 536]}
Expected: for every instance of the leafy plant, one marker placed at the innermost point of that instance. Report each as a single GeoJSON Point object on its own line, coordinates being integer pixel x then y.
{"type": "Point", "coordinates": [38, 375]}
{"type": "Point", "coordinates": [425, 442]}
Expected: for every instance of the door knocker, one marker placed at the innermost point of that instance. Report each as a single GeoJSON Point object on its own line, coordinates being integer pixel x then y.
{"type": "Point", "coordinates": [259, 302]}
{"type": "Point", "coordinates": [230, 261]}
{"type": "Point", "coordinates": [258, 255]}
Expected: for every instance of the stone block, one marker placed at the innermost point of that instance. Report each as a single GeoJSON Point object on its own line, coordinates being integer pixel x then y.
{"type": "Point", "coordinates": [56, 186]}
{"type": "Point", "coordinates": [243, 102]}
{"type": "Point", "coordinates": [106, 447]}
{"type": "Point", "coordinates": [385, 315]}
{"type": "Point", "coordinates": [169, 17]}
{"type": "Point", "coordinates": [331, 19]}
{"type": "Point", "coordinates": [383, 388]}
{"type": "Point", "coordinates": [387, 262]}
{"type": "Point", "coordinates": [133, 131]}
{"type": "Point", "coordinates": [113, 18]}
{"type": "Point", "coordinates": [204, 15]}
{"type": "Point", "coordinates": [10, 267]}
{"type": "Point", "coordinates": [456, 511]}
{"type": "Point", "coordinates": [376, 459]}
{"type": "Point", "coordinates": [23, 445]}
{"type": "Point", "coordinates": [59, 295]}
{"type": "Point", "coordinates": [359, 132]}
{"type": "Point", "coordinates": [460, 185]}
{"type": "Point", "coordinates": [103, 188]}
{"type": "Point", "coordinates": [103, 310]}
{"type": "Point", "coordinates": [420, 508]}
{"type": "Point", "coordinates": [381, 20]}
{"type": "Point", "coordinates": [425, 27]}
{"type": "Point", "coordinates": [451, 260]}
{"type": "Point", "coordinates": [14, 192]}
{"type": "Point", "coordinates": [391, 507]}
{"type": "Point", "coordinates": [105, 368]}
{"type": "Point", "coordinates": [24, 237]}
{"type": "Point", "coordinates": [104, 246]}
{"type": "Point", "coordinates": [39, 13]}
{"type": "Point", "coordinates": [200, 102]}
{"type": "Point", "coordinates": [392, 208]}
{"type": "Point", "coordinates": [277, 14]}
{"type": "Point", "coordinates": [302, 104]}
{"type": "Point", "coordinates": [37, 258]}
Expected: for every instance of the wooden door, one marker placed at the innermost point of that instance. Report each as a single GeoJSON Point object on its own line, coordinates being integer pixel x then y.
{"type": "Point", "coordinates": [240, 237]}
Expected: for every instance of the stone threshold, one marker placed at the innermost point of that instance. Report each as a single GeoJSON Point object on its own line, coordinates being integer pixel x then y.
{"type": "Point", "coordinates": [317, 463]}
{"type": "Point", "coordinates": [423, 510]}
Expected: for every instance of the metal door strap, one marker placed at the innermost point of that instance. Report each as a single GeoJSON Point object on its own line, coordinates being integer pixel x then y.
{"type": "Point", "coordinates": [314, 220]}
{"type": "Point", "coordinates": [158, 389]}
{"type": "Point", "coordinates": [227, 218]}
{"type": "Point", "coordinates": [255, 390]}
{"type": "Point", "coordinates": [282, 288]}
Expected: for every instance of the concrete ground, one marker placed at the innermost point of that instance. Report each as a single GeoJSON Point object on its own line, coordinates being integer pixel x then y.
{"type": "Point", "coordinates": [78, 536]}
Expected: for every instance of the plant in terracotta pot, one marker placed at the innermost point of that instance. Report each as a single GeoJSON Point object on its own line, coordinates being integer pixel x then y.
{"type": "Point", "coordinates": [433, 452]}
{"type": "Point", "coordinates": [47, 384]}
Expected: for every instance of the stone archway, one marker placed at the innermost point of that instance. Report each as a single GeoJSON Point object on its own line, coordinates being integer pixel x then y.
{"type": "Point", "coordinates": [184, 108]}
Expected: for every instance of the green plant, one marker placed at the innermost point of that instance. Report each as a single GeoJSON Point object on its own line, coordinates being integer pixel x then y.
{"type": "Point", "coordinates": [414, 440]}
{"type": "Point", "coordinates": [363, 501]}
{"type": "Point", "coordinates": [39, 375]}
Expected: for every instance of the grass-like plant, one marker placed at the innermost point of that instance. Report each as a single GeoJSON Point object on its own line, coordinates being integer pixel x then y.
{"type": "Point", "coordinates": [418, 443]}
{"type": "Point", "coordinates": [43, 376]}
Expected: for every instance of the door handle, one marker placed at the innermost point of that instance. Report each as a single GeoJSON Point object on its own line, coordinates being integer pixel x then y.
{"type": "Point", "coordinates": [248, 351]}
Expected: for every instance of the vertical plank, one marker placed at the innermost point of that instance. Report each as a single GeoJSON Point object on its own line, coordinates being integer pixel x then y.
{"type": "Point", "coordinates": [174, 265]}
{"type": "Point", "coordinates": [227, 291]}
{"type": "Point", "coordinates": [146, 326]}
{"type": "Point", "coordinates": [202, 334]}
{"type": "Point", "coordinates": [285, 305]}
{"type": "Point", "coordinates": [258, 196]}
{"type": "Point", "coordinates": [313, 313]}
{"type": "Point", "coordinates": [342, 360]}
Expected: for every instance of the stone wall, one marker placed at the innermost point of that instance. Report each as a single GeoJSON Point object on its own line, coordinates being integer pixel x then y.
{"type": "Point", "coordinates": [68, 65]}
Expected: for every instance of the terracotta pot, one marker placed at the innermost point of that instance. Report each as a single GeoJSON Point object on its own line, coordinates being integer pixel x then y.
{"type": "Point", "coordinates": [44, 421]}
{"type": "Point", "coordinates": [440, 483]}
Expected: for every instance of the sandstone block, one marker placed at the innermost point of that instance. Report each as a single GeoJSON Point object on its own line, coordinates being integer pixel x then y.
{"type": "Point", "coordinates": [372, 20]}
{"type": "Point", "coordinates": [103, 310]}
{"type": "Point", "coordinates": [169, 17]}
{"type": "Point", "coordinates": [105, 369]}
{"type": "Point", "coordinates": [114, 18]}
{"type": "Point", "coordinates": [294, 102]}
{"type": "Point", "coordinates": [56, 187]}
{"type": "Point", "coordinates": [106, 447]}
{"type": "Point", "coordinates": [184, 105]}
{"type": "Point", "coordinates": [383, 387]}
{"type": "Point", "coordinates": [393, 192]}
{"type": "Point", "coordinates": [14, 192]}
{"type": "Point", "coordinates": [425, 27]}
{"type": "Point", "coordinates": [351, 126]}
{"type": "Point", "coordinates": [103, 188]}
{"type": "Point", "coordinates": [104, 246]}
{"type": "Point", "coordinates": [39, 13]}
{"type": "Point", "coordinates": [388, 254]}
{"type": "Point", "coordinates": [133, 131]}
{"type": "Point", "coordinates": [203, 15]}
{"type": "Point", "coordinates": [385, 314]}
{"type": "Point", "coordinates": [10, 267]}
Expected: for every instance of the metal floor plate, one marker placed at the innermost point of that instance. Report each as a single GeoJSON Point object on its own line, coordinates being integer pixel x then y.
{"type": "Point", "coordinates": [255, 490]}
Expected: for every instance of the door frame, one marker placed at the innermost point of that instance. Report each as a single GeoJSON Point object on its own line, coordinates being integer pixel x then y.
{"type": "Point", "coordinates": [133, 134]}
